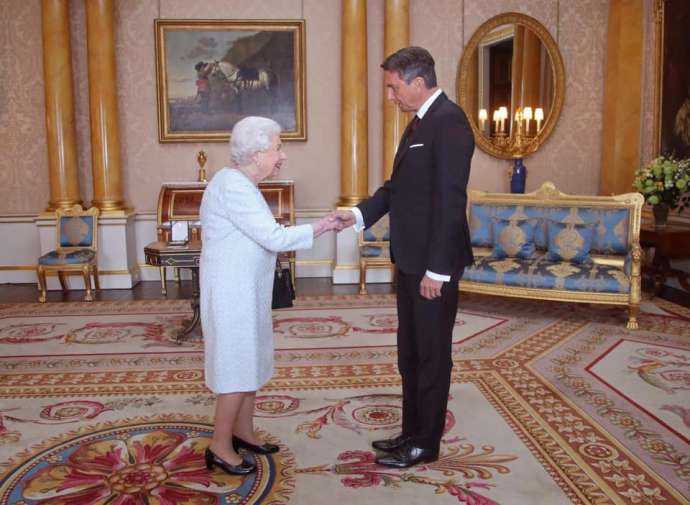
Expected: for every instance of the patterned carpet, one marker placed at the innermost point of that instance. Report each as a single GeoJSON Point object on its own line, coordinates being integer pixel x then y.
{"type": "Point", "coordinates": [551, 404]}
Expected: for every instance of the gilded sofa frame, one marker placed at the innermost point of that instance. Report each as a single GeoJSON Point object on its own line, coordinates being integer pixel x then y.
{"type": "Point", "coordinates": [549, 196]}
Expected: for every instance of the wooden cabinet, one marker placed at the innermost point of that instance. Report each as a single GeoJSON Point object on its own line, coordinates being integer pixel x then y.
{"type": "Point", "coordinates": [180, 201]}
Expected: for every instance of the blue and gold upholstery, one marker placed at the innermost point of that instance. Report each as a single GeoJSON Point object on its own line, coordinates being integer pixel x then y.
{"type": "Point", "coordinates": [582, 248]}
{"type": "Point", "coordinates": [539, 273]}
{"type": "Point", "coordinates": [513, 238]}
{"type": "Point", "coordinates": [374, 250]}
{"type": "Point", "coordinates": [76, 249]}
{"type": "Point", "coordinates": [569, 242]}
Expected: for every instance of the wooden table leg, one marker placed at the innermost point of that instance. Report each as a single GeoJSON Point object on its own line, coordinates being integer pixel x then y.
{"type": "Point", "coordinates": [660, 269]}
{"type": "Point", "coordinates": [196, 315]}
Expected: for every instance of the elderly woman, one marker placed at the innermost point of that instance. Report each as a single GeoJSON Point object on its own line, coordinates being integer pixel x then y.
{"type": "Point", "coordinates": [240, 242]}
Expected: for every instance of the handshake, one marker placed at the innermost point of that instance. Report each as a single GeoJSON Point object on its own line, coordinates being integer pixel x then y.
{"type": "Point", "coordinates": [337, 220]}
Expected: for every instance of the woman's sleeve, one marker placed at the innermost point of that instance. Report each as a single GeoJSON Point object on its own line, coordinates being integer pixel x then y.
{"type": "Point", "coordinates": [245, 207]}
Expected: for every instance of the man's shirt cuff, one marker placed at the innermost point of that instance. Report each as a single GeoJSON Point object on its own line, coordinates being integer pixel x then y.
{"type": "Point", "coordinates": [437, 277]}
{"type": "Point", "coordinates": [359, 219]}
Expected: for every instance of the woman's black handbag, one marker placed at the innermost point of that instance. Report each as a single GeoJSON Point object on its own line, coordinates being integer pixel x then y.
{"type": "Point", "coordinates": [283, 291]}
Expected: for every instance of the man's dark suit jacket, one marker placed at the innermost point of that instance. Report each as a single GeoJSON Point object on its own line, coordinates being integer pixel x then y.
{"type": "Point", "coordinates": [426, 195]}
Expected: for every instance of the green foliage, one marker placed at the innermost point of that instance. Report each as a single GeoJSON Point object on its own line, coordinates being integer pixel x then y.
{"type": "Point", "coordinates": [665, 180]}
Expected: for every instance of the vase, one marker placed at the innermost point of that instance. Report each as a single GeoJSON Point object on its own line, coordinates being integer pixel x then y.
{"type": "Point", "coordinates": [660, 214]}
{"type": "Point", "coordinates": [519, 177]}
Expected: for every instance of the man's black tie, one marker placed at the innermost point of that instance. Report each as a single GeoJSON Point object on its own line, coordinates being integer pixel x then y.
{"type": "Point", "coordinates": [413, 125]}
{"type": "Point", "coordinates": [409, 130]}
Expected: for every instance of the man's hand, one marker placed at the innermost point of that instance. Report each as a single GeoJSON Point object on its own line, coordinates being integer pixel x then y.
{"type": "Point", "coordinates": [345, 218]}
{"type": "Point", "coordinates": [429, 288]}
{"type": "Point", "coordinates": [326, 223]}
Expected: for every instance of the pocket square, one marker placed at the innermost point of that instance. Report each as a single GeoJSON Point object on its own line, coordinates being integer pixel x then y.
{"type": "Point", "coordinates": [415, 145]}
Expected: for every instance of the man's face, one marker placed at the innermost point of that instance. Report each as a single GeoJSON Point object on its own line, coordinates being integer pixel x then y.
{"type": "Point", "coordinates": [408, 97]}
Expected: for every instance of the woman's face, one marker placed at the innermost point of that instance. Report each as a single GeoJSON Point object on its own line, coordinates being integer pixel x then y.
{"type": "Point", "coordinates": [268, 162]}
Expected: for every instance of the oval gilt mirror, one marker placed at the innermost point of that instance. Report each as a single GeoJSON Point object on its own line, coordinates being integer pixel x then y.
{"type": "Point", "coordinates": [511, 84]}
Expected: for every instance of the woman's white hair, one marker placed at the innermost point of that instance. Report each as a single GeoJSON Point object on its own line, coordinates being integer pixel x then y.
{"type": "Point", "coordinates": [249, 136]}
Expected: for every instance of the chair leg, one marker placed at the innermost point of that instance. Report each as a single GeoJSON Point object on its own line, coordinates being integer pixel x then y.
{"type": "Point", "coordinates": [41, 274]}
{"type": "Point", "coordinates": [63, 281]}
{"type": "Point", "coordinates": [362, 277]}
{"type": "Point", "coordinates": [86, 270]}
{"type": "Point", "coordinates": [164, 290]}
{"type": "Point", "coordinates": [95, 278]}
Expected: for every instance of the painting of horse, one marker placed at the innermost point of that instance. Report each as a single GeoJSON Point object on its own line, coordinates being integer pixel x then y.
{"type": "Point", "coordinates": [211, 74]}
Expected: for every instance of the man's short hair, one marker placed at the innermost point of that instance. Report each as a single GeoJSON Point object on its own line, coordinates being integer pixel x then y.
{"type": "Point", "coordinates": [411, 62]}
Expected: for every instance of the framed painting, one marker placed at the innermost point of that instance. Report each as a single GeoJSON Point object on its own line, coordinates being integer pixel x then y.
{"type": "Point", "coordinates": [212, 73]}
{"type": "Point", "coordinates": [672, 121]}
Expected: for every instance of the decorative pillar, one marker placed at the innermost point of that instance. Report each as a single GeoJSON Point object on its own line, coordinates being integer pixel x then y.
{"type": "Point", "coordinates": [117, 252]}
{"type": "Point", "coordinates": [622, 97]}
{"type": "Point", "coordinates": [105, 134]}
{"type": "Point", "coordinates": [396, 35]}
{"type": "Point", "coordinates": [354, 147]}
{"type": "Point", "coordinates": [516, 76]}
{"type": "Point", "coordinates": [531, 70]}
{"type": "Point", "coordinates": [59, 98]}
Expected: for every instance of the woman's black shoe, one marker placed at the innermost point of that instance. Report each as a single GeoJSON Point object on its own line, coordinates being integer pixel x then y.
{"type": "Point", "coordinates": [238, 443]}
{"type": "Point", "coordinates": [242, 469]}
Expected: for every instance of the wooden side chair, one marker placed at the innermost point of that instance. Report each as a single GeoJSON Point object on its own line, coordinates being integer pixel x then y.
{"type": "Point", "coordinates": [374, 250]}
{"type": "Point", "coordinates": [76, 236]}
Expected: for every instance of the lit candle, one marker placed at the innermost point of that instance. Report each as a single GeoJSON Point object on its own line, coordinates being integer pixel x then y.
{"type": "Point", "coordinates": [504, 116]}
{"type": "Point", "coordinates": [539, 117]}
{"type": "Point", "coordinates": [496, 119]}
{"type": "Point", "coordinates": [483, 116]}
{"type": "Point", "coordinates": [527, 115]}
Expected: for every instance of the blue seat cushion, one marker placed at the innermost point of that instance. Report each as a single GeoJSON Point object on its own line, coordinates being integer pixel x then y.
{"type": "Point", "coordinates": [542, 274]}
{"type": "Point", "coordinates": [70, 258]}
{"type": "Point", "coordinates": [373, 251]}
{"type": "Point", "coordinates": [513, 238]}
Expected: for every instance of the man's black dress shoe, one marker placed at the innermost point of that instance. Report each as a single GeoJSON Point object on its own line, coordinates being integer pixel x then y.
{"type": "Point", "coordinates": [238, 443]}
{"type": "Point", "coordinates": [242, 469]}
{"type": "Point", "coordinates": [407, 455]}
{"type": "Point", "coordinates": [389, 444]}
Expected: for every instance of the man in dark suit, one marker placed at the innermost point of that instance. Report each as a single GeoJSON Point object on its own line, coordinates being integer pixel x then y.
{"type": "Point", "coordinates": [430, 246]}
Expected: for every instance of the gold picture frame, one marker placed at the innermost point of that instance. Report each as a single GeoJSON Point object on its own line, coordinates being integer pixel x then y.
{"type": "Point", "coordinates": [212, 73]}
{"type": "Point", "coordinates": [672, 87]}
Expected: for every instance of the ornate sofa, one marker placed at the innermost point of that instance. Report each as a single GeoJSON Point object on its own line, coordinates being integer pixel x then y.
{"type": "Point", "coordinates": [552, 246]}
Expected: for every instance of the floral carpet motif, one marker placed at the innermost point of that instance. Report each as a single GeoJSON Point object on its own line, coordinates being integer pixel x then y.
{"type": "Point", "coordinates": [551, 403]}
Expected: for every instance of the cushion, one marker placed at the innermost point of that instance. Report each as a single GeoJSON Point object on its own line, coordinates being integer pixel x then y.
{"type": "Point", "coordinates": [70, 258]}
{"type": "Point", "coordinates": [538, 273]}
{"type": "Point", "coordinates": [569, 242]}
{"type": "Point", "coordinates": [76, 231]}
{"type": "Point", "coordinates": [372, 251]}
{"type": "Point", "coordinates": [513, 238]}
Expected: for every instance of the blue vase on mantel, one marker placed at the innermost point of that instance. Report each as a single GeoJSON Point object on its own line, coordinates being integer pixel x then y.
{"type": "Point", "coordinates": [519, 177]}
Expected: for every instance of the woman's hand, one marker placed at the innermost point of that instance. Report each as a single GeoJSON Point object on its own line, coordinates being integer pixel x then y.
{"type": "Point", "coordinates": [327, 223]}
